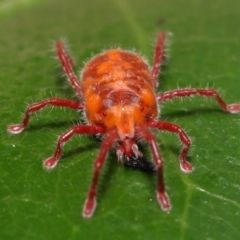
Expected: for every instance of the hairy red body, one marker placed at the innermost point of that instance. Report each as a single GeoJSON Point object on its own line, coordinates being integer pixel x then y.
{"type": "Point", "coordinates": [118, 95]}
{"type": "Point", "coordinates": [119, 92]}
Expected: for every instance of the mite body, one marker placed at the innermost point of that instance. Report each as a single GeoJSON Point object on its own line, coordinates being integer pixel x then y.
{"type": "Point", "coordinates": [117, 92]}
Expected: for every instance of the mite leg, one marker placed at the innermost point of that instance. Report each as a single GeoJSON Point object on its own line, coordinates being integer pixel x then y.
{"type": "Point", "coordinates": [90, 203]}
{"type": "Point", "coordinates": [188, 92]}
{"type": "Point", "coordinates": [67, 63]}
{"type": "Point", "coordinates": [171, 127]}
{"type": "Point", "coordinates": [79, 129]}
{"type": "Point", "coordinates": [17, 128]}
{"type": "Point", "coordinates": [158, 57]}
{"type": "Point", "coordinates": [162, 196]}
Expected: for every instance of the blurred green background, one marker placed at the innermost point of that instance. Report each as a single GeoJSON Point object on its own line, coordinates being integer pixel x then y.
{"type": "Point", "coordinates": [204, 50]}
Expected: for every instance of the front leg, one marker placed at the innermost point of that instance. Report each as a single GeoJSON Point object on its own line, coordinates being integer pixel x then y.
{"type": "Point", "coordinates": [188, 92]}
{"type": "Point", "coordinates": [162, 195]}
{"type": "Point", "coordinates": [91, 202]}
{"type": "Point", "coordinates": [79, 129]}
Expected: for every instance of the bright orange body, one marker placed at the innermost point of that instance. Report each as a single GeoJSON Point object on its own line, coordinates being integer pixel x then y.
{"type": "Point", "coordinates": [119, 92]}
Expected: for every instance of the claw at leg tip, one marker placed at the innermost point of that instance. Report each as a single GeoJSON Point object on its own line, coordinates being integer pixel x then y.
{"type": "Point", "coordinates": [186, 167]}
{"type": "Point", "coordinates": [234, 108]}
{"type": "Point", "coordinates": [50, 163]}
{"type": "Point", "coordinates": [89, 207]}
{"type": "Point", "coordinates": [163, 201]}
{"type": "Point", "coordinates": [15, 129]}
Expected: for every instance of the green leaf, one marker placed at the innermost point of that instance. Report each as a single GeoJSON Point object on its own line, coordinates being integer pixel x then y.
{"type": "Point", "coordinates": [205, 51]}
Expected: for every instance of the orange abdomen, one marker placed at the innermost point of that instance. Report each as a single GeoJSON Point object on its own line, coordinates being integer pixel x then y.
{"type": "Point", "coordinates": [118, 90]}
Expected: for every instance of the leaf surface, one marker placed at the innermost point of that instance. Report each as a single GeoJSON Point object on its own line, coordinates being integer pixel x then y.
{"type": "Point", "coordinates": [205, 51]}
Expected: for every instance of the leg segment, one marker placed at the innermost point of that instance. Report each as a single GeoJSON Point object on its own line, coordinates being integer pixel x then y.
{"type": "Point", "coordinates": [90, 203]}
{"type": "Point", "coordinates": [17, 128]}
{"type": "Point", "coordinates": [171, 127]}
{"type": "Point", "coordinates": [79, 129]}
{"type": "Point", "coordinates": [158, 57]}
{"type": "Point", "coordinates": [67, 63]}
{"type": "Point", "coordinates": [188, 92]}
{"type": "Point", "coordinates": [162, 196]}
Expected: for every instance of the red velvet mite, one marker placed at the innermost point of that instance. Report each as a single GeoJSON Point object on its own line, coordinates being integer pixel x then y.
{"type": "Point", "coordinates": [118, 95]}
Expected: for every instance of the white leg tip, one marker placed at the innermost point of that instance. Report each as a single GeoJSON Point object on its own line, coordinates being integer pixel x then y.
{"type": "Point", "coordinates": [163, 201]}
{"type": "Point", "coordinates": [89, 207]}
{"type": "Point", "coordinates": [50, 163]}
{"type": "Point", "coordinates": [233, 108]}
{"type": "Point", "coordinates": [186, 167]}
{"type": "Point", "coordinates": [15, 129]}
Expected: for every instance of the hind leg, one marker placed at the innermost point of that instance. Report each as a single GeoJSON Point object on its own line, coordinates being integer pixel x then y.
{"type": "Point", "coordinates": [67, 65]}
